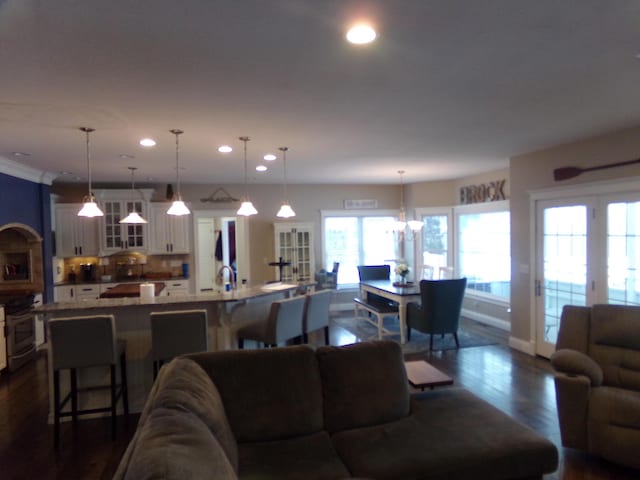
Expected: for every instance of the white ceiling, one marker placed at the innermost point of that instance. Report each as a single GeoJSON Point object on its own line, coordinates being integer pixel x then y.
{"type": "Point", "coordinates": [450, 87]}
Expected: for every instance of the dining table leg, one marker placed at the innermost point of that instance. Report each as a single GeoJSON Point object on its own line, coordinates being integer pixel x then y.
{"type": "Point", "coordinates": [402, 315]}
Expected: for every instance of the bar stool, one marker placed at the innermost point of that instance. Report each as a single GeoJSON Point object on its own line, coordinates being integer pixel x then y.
{"type": "Point", "coordinates": [176, 333]}
{"type": "Point", "coordinates": [82, 342]}
{"type": "Point", "coordinates": [284, 322]}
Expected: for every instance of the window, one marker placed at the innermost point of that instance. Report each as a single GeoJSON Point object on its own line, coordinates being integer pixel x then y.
{"type": "Point", "coordinates": [484, 249]}
{"type": "Point", "coordinates": [354, 239]}
{"type": "Point", "coordinates": [434, 252]}
{"type": "Point", "coordinates": [623, 246]}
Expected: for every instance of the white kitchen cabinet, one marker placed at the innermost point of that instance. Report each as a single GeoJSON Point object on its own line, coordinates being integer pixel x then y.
{"type": "Point", "coordinates": [176, 287]}
{"type": "Point", "coordinates": [168, 233]}
{"type": "Point", "coordinates": [117, 204]}
{"type": "Point", "coordinates": [75, 236]}
{"type": "Point", "coordinates": [294, 244]}
{"type": "Point", "coordinates": [76, 293]}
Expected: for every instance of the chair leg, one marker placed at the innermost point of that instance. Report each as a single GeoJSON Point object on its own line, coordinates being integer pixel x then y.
{"type": "Point", "coordinates": [455, 337]}
{"type": "Point", "coordinates": [380, 320]}
{"type": "Point", "coordinates": [124, 385]}
{"type": "Point", "coordinates": [431, 342]}
{"type": "Point", "coordinates": [408, 333]}
{"type": "Point", "coordinates": [114, 399]}
{"type": "Point", "coordinates": [326, 335]}
{"type": "Point", "coordinates": [73, 380]}
{"type": "Point", "coordinates": [240, 343]}
{"type": "Point", "coordinates": [305, 338]}
{"type": "Point", "coordinates": [56, 408]}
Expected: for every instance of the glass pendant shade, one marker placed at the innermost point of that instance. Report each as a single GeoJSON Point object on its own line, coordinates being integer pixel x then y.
{"type": "Point", "coordinates": [402, 223]}
{"type": "Point", "coordinates": [90, 208]}
{"type": "Point", "coordinates": [178, 207]}
{"type": "Point", "coordinates": [286, 211]}
{"type": "Point", "coordinates": [247, 209]}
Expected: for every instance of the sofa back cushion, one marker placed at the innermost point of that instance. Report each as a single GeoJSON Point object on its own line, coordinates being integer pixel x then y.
{"type": "Point", "coordinates": [268, 394]}
{"type": "Point", "coordinates": [574, 328]}
{"type": "Point", "coordinates": [363, 384]}
{"type": "Point", "coordinates": [615, 344]}
{"type": "Point", "coordinates": [174, 445]}
{"type": "Point", "coordinates": [183, 385]}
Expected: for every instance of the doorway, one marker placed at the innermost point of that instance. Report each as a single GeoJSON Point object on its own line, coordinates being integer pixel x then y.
{"type": "Point", "coordinates": [587, 252]}
{"type": "Point", "coordinates": [218, 235]}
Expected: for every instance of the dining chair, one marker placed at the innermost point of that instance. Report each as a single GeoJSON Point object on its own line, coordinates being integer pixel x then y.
{"type": "Point", "coordinates": [283, 323]}
{"type": "Point", "coordinates": [177, 332]}
{"type": "Point", "coordinates": [316, 314]}
{"type": "Point", "coordinates": [375, 272]}
{"type": "Point", "coordinates": [439, 310]}
{"type": "Point", "coordinates": [82, 342]}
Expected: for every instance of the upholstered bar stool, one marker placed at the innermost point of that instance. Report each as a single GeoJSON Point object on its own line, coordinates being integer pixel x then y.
{"type": "Point", "coordinates": [83, 342]}
{"type": "Point", "coordinates": [316, 314]}
{"type": "Point", "coordinates": [176, 333]}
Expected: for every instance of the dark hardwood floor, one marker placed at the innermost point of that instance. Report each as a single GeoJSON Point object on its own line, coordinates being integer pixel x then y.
{"type": "Point", "coordinates": [518, 384]}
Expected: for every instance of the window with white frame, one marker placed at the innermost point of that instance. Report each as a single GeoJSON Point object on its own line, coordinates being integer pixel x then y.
{"type": "Point", "coordinates": [483, 254]}
{"type": "Point", "coordinates": [435, 244]}
{"type": "Point", "coordinates": [357, 238]}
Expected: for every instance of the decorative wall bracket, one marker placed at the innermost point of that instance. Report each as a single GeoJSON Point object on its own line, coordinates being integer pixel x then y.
{"type": "Point", "coordinates": [220, 196]}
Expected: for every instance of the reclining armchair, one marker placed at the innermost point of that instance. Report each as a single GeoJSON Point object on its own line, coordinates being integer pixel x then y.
{"type": "Point", "coordinates": [597, 360]}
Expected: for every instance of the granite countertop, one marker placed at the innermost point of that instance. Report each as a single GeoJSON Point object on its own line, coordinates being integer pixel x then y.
{"type": "Point", "coordinates": [243, 293]}
{"type": "Point", "coordinates": [116, 280]}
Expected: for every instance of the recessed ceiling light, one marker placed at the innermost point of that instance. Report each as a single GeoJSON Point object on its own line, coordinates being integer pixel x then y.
{"type": "Point", "coordinates": [269, 157]}
{"type": "Point", "coordinates": [225, 149]}
{"type": "Point", "coordinates": [361, 33]}
{"type": "Point", "coordinates": [126, 156]}
{"type": "Point", "coordinates": [261, 168]}
{"type": "Point", "coordinates": [148, 142]}
{"type": "Point", "coordinates": [20, 154]}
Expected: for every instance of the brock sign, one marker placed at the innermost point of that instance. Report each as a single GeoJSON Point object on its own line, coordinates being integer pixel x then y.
{"type": "Point", "coordinates": [485, 192]}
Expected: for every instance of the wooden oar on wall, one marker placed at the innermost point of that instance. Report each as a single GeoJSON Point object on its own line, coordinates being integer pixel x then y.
{"type": "Point", "coordinates": [565, 173]}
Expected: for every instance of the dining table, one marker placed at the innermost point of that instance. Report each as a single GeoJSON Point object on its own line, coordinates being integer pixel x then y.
{"type": "Point", "coordinates": [401, 293]}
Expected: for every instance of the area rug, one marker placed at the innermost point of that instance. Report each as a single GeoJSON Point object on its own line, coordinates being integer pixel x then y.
{"type": "Point", "coordinates": [364, 331]}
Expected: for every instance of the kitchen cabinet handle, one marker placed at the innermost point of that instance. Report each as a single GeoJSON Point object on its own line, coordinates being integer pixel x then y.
{"type": "Point", "coordinates": [80, 247]}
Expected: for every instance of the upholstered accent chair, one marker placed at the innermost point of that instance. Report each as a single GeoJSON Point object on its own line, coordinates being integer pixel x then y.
{"type": "Point", "coordinates": [439, 310]}
{"type": "Point", "coordinates": [597, 360]}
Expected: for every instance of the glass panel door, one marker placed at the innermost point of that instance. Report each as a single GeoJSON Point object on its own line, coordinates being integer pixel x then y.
{"type": "Point", "coordinates": [623, 253]}
{"type": "Point", "coordinates": [563, 231]}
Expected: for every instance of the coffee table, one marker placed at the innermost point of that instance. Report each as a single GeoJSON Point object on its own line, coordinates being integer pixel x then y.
{"type": "Point", "coordinates": [422, 375]}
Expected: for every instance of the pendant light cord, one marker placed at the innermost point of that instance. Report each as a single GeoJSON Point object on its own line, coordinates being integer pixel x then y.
{"type": "Point", "coordinates": [87, 131]}
{"type": "Point", "coordinates": [284, 167]}
{"type": "Point", "coordinates": [245, 140]}
{"type": "Point", "coordinates": [177, 133]}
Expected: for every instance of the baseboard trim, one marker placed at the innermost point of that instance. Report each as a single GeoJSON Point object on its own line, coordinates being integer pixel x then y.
{"type": "Point", "coordinates": [523, 346]}
{"type": "Point", "coordinates": [486, 319]}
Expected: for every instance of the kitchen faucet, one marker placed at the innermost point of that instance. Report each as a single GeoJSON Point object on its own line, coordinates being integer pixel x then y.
{"type": "Point", "coordinates": [232, 275]}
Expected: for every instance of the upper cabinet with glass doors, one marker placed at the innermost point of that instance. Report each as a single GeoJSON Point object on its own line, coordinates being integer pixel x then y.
{"type": "Point", "coordinates": [294, 245]}
{"type": "Point", "coordinates": [117, 204]}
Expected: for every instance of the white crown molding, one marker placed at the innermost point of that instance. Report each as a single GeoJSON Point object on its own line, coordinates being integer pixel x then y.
{"type": "Point", "coordinates": [9, 167]}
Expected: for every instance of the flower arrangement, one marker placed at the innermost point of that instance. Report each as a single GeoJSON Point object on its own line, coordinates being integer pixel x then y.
{"type": "Point", "coordinates": [402, 269]}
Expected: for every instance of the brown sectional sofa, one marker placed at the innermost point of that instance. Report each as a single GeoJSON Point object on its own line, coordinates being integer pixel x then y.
{"type": "Point", "coordinates": [331, 413]}
{"type": "Point", "coordinates": [598, 381]}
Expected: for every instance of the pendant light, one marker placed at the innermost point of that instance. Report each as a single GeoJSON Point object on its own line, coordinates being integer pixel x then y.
{"type": "Point", "coordinates": [178, 207]}
{"type": "Point", "coordinates": [246, 207]}
{"type": "Point", "coordinates": [90, 207]}
{"type": "Point", "coordinates": [133, 217]}
{"type": "Point", "coordinates": [285, 209]}
{"type": "Point", "coordinates": [401, 224]}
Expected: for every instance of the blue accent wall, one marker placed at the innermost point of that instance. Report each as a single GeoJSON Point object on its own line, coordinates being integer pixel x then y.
{"type": "Point", "coordinates": [23, 201]}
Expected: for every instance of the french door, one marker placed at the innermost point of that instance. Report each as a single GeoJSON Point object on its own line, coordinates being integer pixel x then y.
{"type": "Point", "coordinates": [587, 251]}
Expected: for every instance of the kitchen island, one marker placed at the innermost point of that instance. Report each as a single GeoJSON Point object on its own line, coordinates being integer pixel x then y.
{"type": "Point", "coordinates": [226, 312]}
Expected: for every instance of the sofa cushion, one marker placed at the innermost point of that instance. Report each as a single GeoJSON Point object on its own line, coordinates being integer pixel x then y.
{"type": "Point", "coordinates": [614, 424]}
{"type": "Point", "coordinates": [183, 385]}
{"type": "Point", "coordinates": [174, 445]}
{"type": "Point", "coordinates": [309, 457]}
{"type": "Point", "coordinates": [615, 344]}
{"type": "Point", "coordinates": [450, 434]}
{"type": "Point", "coordinates": [363, 384]}
{"type": "Point", "coordinates": [268, 394]}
